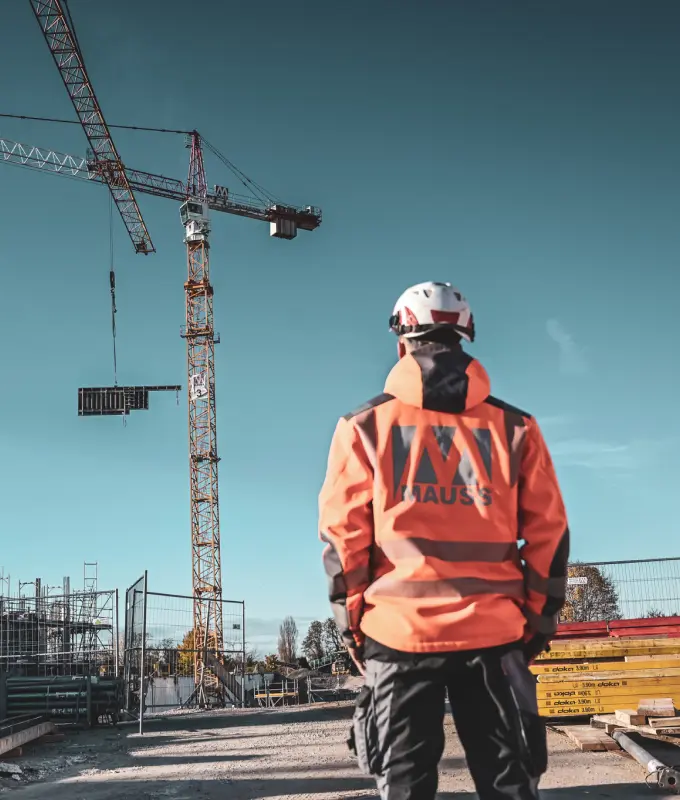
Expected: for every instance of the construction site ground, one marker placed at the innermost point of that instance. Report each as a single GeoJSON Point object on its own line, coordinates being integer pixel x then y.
{"type": "Point", "coordinates": [277, 754]}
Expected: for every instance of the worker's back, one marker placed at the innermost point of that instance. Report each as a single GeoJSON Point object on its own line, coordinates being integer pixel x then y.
{"type": "Point", "coordinates": [430, 490]}
{"type": "Point", "coordinates": [444, 460]}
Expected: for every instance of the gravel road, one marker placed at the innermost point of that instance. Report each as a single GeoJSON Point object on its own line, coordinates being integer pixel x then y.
{"type": "Point", "coordinates": [281, 754]}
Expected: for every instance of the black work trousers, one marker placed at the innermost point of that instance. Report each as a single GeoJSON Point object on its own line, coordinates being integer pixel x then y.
{"type": "Point", "coordinates": [398, 732]}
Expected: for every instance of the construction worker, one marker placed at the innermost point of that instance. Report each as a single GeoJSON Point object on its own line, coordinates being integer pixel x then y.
{"type": "Point", "coordinates": [446, 552]}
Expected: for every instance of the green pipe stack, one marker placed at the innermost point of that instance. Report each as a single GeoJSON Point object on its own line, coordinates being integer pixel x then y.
{"type": "Point", "coordinates": [63, 698]}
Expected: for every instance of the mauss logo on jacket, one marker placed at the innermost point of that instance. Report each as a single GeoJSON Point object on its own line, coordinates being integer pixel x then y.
{"type": "Point", "coordinates": [444, 474]}
{"type": "Point", "coordinates": [441, 513]}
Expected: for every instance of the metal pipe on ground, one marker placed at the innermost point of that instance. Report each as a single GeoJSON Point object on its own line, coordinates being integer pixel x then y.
{"type": "Point", "coordinates": [666, 777]}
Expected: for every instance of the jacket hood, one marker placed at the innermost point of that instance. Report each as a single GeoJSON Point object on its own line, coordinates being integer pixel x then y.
{"type": "Point", "coordinates": [438, 378]}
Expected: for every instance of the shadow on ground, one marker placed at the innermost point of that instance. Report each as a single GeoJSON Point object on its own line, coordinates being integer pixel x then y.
{"type": "Point", "coordinates": [254, 717]}
{"type": "Point", "coordinates": [294, 787]}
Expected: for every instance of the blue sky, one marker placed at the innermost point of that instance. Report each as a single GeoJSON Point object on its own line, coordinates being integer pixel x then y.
{"type": "Point", "coordinates": [525, 151]}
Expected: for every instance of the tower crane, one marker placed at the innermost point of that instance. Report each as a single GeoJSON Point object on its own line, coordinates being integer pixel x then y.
{"type": "Point", "coordinates": [104, 166]}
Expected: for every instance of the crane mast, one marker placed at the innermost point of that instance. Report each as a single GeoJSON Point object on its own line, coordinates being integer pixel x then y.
{"type": "Point", "coordinates": [200, 337]}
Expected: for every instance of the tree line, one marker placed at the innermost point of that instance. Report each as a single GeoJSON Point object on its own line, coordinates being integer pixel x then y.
{"type": "Point", "coordinates": [322, 638]}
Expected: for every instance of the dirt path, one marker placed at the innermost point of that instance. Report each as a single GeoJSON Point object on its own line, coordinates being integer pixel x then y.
{"type": "Point", "coordinates": [296, 754]}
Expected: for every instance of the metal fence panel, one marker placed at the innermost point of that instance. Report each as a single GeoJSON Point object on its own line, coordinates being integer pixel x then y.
{"type": "Point", "coordinates": [134, 637]}
{"type": "Point", "coordinates": [161, 655]}
{"type": "Point", "coordinates": [171, 651]}
{"type": "Point", "coordinates": [613, 590]}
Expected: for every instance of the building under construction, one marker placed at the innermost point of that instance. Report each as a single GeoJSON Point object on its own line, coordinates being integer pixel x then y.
{"type": "Point", "coordinates": [66, 633]}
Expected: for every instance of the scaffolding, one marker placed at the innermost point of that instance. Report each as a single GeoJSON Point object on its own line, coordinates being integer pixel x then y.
{"type": "Point", "coordinates": [278, 693]}
{"type": "Point", "coordinates": [71, 633]}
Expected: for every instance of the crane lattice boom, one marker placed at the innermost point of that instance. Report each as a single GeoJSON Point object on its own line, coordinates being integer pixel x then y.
{"type": "Point", "coordinates": [63, 44]}
{"type": "Point", "coordinates": [305, 218]}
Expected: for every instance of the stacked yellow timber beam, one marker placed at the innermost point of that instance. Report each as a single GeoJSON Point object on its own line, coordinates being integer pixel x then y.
{"type": "Point", "coordinates": [594, 676]}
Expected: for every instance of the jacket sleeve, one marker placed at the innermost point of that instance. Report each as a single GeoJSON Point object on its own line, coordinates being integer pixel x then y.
{"type": "Point", "coordinates": [346, 526]}
{"type": "Point", "coordinates": [544, 529]}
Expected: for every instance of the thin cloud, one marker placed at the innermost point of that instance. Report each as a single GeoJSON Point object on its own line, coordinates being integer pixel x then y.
{"type": "Point", "coordinates": [554, 420]}
{"type": "Point", "coordinates": [572, 359]}
{"type": "Point", "coordinates": [594, 455]}
{"type": "Point", "coordinates": [622, 458]}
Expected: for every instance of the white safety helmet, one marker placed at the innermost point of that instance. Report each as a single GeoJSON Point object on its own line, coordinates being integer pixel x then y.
{"type": "Point", "coordinates": [432, 305]}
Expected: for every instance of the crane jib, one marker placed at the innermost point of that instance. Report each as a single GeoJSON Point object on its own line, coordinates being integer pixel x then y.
{"type": "Point", "coordinates": [103, 172]}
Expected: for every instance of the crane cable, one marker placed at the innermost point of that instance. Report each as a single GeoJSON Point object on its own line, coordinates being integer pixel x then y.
{"type": "Point", "coordinates": [112, 282]}
{"type": "Point", "coordinates": [78, 122]}
{"type": "Point", "coordinates": [259, 192]}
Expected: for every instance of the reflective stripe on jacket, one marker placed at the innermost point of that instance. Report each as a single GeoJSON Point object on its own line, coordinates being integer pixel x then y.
{"type": "Point", "coordinates": [442, 516]}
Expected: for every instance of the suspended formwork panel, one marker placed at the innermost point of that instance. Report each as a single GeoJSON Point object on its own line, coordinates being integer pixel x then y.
{"type": "Point", "coordinates": [106, 401]}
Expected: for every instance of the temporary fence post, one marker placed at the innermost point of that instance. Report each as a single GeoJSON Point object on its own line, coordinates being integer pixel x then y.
{"type": "Point", "coordinates": [128, 628]}
{"type": "Point", "coordinates": [116, 643]}
{"type": "Point", "coordinates": [143, 659]}
{"type": "Point", "coordinates": [243, 660]}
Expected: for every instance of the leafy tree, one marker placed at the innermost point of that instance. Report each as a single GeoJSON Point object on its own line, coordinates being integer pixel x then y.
{"type": "Point", "coordinates": [271, 662]}
{"type": "Point", "coordinates": [186, 653]}
{"type": "Point", "coordinates": [594, 601]}
{"type": "Point", "coordinates": [332, 641]}
{"type": "Point", "coordinates": [288, 640]}
{"type": "Point", "coordinates": [313, 643]}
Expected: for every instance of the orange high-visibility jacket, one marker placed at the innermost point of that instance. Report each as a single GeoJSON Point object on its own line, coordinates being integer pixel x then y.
{"type": "Point", "coordinates": [442, 516]}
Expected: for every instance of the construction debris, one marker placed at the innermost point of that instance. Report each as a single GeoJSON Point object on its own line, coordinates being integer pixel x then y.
{"type": "Point", "coordinates": [9, 770]}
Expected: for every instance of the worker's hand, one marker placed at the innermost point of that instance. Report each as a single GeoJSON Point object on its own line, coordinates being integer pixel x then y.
{"type": "Point", "coordinates": [535, 646]}
{"type": "Point", "coordinates": [357, 657]}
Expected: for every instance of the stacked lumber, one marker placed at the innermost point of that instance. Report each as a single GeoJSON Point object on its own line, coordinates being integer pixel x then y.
{"type": "Point", "coordinates": [637, 720]}
{"type": "Point", "coordinates": [600, 676]}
